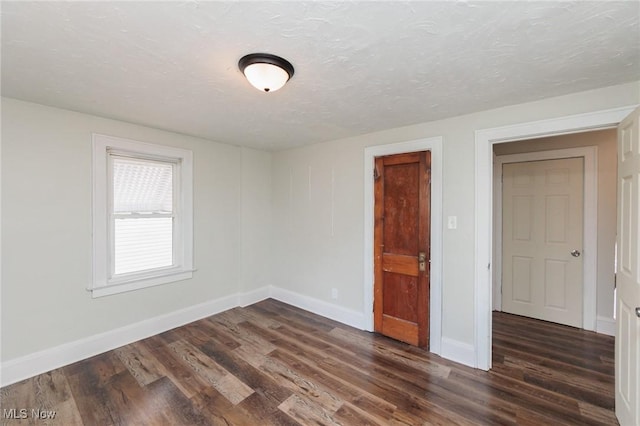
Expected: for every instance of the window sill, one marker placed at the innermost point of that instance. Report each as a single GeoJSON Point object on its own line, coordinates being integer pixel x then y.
{"type": "Point", "coordinates": [140, 283]}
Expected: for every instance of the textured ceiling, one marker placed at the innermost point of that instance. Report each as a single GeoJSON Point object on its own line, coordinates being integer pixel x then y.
{"type": "Point", "coordinates": [360, 66]}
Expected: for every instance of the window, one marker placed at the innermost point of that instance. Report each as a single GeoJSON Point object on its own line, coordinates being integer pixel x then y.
{"type": "Point", "coordinates": [142, 215]}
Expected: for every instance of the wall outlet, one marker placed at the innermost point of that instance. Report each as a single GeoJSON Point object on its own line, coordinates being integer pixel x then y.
{"type": "Point", "coordinates": [334, 293]}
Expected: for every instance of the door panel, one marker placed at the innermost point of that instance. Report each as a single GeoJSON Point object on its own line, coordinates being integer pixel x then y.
{"type": "Point", "coordinates": [402, 221]}
{"type": "Point", "coordinates": [401, 292]}
{"type": "Point", "coordinates": [400, 264]}
{"type": "Point", "coordinates": [542, 224]}
{"type": "Point", "coordinates": [628, 272]}
{"type": "Point", "coordinates": [401, 208]}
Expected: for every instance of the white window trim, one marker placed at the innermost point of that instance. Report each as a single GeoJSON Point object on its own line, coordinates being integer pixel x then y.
{"type": "Point", "coordinates": [101, 284]}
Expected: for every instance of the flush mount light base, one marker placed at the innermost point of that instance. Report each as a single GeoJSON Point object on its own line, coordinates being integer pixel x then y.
{"type": "Point", "coordinates": [266, 72]}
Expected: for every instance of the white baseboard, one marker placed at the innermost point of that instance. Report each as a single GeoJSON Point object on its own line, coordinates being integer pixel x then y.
{"type": "Point", "coordinates": [457, 351]}
{"type": "Point", "coordinates": [40, 362]}
{"type": "Point", "coordinates": [320, 307]}
{"type": "Point", "coordinates": [606, 326]}
{"type": "Point", "coordinates": [36, 363]}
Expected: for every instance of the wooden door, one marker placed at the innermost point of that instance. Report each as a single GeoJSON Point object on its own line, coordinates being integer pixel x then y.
{"type": "Point", "coordinates": [402, 246]}
{"type": "Point", "coordinates": [627, 363]}
{"type": "Point", "coordinates": [542, 224]}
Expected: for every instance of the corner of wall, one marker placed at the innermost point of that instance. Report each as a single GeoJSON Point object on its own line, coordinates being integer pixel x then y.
{"type": "Point", "coordinates": [320, 307]}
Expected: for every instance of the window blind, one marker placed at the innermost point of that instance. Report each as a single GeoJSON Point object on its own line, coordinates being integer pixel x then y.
{"type": "Point", "coordinates": [142, 211]}
{"type": "Point", "coordinates": [141, 186]}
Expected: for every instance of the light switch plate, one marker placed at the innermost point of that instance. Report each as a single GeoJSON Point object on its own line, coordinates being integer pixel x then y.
{"type": "Point", "coordinates": [452, 222]}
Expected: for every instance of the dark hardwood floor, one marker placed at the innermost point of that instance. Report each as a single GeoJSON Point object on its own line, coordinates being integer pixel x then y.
{"type": "Point", "coordinates": [273, 364]}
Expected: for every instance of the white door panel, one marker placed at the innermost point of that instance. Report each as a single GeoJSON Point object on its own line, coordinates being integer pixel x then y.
{"type": "Point", "coordinates": [542, 224]}
{"type": "Point", "coordinates": [628, 272]}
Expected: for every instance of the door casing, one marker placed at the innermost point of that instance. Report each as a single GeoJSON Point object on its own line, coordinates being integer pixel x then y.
{"type": "Point", "coordinates": [590, 231]}
{"type": "Point", "coordinates": [485, 139]}
{"type": "Point", "coordinates": [434, 145]}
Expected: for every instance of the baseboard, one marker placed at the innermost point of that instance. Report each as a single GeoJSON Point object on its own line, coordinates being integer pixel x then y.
{"type": "Point", "coordinates": [320, 307]}
{"type": "Point", "coordinates": [606, 326]}
{"type": "Point", "coordinates": [457, 351]}
{"type": "Point", "coordinates": [40, 362]}
{"type": "Point", "coordinates": [36, 363]}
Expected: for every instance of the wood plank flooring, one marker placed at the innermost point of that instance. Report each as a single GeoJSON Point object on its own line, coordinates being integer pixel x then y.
{"type": "Point", "coordinates": [273, 364]}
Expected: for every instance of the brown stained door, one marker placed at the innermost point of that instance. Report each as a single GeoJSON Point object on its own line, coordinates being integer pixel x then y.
{"type": "Point", "coordinates": [401, 247]}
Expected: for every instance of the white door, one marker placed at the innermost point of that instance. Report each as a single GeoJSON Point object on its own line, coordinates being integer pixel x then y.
{"type": "Point", "coordinates": [628, 272]}
{"type": "Point", "coordinates": [542, 239]}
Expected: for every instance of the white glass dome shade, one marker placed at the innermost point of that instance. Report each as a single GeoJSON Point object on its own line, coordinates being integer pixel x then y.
{"type": "Point", "coordinates": [266, 72]}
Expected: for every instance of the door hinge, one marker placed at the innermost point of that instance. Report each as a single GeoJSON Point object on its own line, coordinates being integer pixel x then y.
{"type": "Point", "coordinates": [489, 266]}
{"type": "Point", "coordinates": [376, 174]}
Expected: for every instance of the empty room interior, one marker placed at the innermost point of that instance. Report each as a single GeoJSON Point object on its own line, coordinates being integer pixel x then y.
{"type": "Point", "coordinates": [293, 213]}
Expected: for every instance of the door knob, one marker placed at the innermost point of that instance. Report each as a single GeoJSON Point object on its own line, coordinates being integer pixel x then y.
{"type": "Point", "coordinates": [638, 312]}
{"type": "Point", "coordinates": [575, 253]}
{"type": "Point", "coordinates": [422, 261]}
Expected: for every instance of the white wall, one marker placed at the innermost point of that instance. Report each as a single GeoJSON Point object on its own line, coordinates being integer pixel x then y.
{"type": "Point", "coordinates": [46, 228]}
{"type": "Point", "coordinates": [606, 141]}
{"type": "Point", "coordinates": [309, 259]}
{"type": "Point", "coordinates": [318, 233]}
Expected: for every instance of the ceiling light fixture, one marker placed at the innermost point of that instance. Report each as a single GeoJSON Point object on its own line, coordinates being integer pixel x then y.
{"type": "Point", "coordinates": [266, 72]}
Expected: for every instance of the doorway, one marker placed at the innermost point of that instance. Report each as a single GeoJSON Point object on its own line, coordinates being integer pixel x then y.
{"type": "Point", "coordinates": [434, 146]}
{"type": "Point", "coordinates": [485, 141]}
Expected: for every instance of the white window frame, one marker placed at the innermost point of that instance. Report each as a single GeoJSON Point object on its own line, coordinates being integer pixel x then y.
{"type": "Point", "coordinates": [103, 283]}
